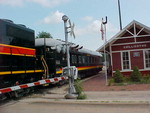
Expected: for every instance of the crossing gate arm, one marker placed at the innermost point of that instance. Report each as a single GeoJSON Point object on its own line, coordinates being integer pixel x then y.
{"type": "Point", "coordinates": [40, 82]}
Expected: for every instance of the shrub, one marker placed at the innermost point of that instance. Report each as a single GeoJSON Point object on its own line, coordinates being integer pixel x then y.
{"type": "Point", "coordinates": [82, 96]}
{"type": "Point", "coordinates": [118, 77]}
{"type": "Point", "coordinates": [135, 75]}
{"type": "Point", "coordinates": [79, 89]}
{"type": "Point", "coordinates": [146, 79]}
{"type": "Point", "coordinates": [110, 82]}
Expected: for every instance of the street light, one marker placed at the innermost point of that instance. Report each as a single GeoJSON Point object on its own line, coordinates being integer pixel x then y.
{"type": "Point", "coordinates": [71, 91]}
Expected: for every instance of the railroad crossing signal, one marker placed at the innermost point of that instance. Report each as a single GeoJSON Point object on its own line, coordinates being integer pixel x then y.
{"type": "Point", "coordinates": [71, 91]}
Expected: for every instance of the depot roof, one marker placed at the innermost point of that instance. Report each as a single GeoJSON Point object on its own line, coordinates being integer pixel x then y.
{"type": "Point", "coordinates": [120, 34]}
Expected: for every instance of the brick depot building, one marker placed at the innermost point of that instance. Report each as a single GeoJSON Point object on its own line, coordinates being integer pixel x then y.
{"type": "Point", "coordinates": [128, 48]}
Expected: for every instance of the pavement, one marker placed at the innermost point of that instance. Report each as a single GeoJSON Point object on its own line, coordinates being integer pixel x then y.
{"type": "Point", "coordinates": [94, 97]}
{"type": "Point", "coordinates": [135, 97]}
{"type": "Point", "coordinates": [57, 95]}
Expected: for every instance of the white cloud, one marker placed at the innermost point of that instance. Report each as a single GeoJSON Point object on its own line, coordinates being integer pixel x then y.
{"type": "Point", "coordinates": [87, 18]}
{"type": "Point", "coordinates": [55, 17]}
{"type": "Point", "coordinates": [45, 3]}
{"type": "Point", "coordinates": [94, 28]}
{"type": "Point", "coordinates": [12, 2]}
{"type": "Point", "coordinates": [49, 3]}
{"type": "Point", "coordinates": [89, 36]}
{"type": "Point", "coordinates": [89, 29]}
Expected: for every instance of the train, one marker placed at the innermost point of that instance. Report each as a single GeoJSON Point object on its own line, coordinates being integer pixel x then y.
{"type": "Point", "coordinates": [26, 60]}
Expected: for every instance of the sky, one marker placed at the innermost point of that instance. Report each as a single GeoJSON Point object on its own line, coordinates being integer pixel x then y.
{"type": "Point", "coordinates": [46, 15]}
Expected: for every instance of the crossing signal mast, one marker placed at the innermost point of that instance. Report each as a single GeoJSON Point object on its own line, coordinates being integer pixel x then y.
{"type": "Point", "coordinates": [69, 69]}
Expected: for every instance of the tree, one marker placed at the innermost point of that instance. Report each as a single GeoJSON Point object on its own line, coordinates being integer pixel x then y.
{"type": "Point", "coordinates": [44, 35]}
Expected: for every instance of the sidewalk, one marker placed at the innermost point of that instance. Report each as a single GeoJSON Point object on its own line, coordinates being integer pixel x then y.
{"type": "Point", "coordinates": [98, 93]}
{"type": "Point", "coordinates": [119, 96]}
{"type": "Point", "coordinates": [94, 97]}
{"type": "Point", "coordinates": [104, 97]}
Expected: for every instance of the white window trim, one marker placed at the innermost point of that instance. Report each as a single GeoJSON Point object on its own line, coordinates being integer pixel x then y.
{"type": "Point", "coordinates": [122, 61]}
{"type": "Point", "coordinates": [131, 43]}
{"type": "Point", "coordinates": [132, 70]}
{"type": "Point", "coordinates": [144, 58]}
{"type": "Point", "coordinates": [129, 50]}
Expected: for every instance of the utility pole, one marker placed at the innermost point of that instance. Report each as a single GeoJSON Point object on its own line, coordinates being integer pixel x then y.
{"type": "Point", "coordinates": [119, 9]}
{"type": "Point", "coordinates": [71, 91]}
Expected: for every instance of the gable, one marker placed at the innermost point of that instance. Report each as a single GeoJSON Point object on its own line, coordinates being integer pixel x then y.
{"type": "Point", "coordinates": [131, 32]}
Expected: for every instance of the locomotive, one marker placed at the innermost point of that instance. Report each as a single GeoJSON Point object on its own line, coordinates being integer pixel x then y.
{"type": "Point", "coordinates": [24, 59]}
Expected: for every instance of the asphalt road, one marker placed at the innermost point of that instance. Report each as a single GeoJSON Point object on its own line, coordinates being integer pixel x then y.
{"type": "Point", "coordinates": [61, 107]}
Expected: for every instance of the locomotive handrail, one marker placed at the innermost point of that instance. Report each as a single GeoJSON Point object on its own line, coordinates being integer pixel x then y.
{"type": "Point", "coordinates": [46, 72]}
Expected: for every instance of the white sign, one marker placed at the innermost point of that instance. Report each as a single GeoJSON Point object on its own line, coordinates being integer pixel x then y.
{"type": "Point", "coordinates": [134, 46]}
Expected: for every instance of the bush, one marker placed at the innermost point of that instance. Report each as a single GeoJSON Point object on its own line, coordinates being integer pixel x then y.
{"type": "Point", "coordinates": [111, 82]}
{"type": "Point", "coordinates": [135, 75]}
{"type": "Point", "coordinates": [118, 77]}
{"type": "Point", "coordinates": [146, 79]}
{"type": "Point", "coordinates": [79, 89]}
{"type": "Point", "coordinates": [82, 96]}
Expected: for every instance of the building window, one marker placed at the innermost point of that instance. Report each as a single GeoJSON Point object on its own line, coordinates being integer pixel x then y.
{"type": "Point", "coordinates": [147, 58]}
{"type": "Point", "coordinates": [125, 60]}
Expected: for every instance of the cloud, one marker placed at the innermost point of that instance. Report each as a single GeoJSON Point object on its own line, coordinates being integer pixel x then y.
{"type": "Point", "coordinates": [45, 3]}
{"type": "Point", "coordinates": [87, 18]}
{"type": "Point", "coordinates": [49, 3]}
{"type": "Point", "coordinates": [94, 28]}
{"type": "Point", "coordinates": [89, 29]}
{"type": "Point", "coordinates": [89, 35]}
{"type": "Point", "coordinates": [55, 17]}
{"type": "Point", "coordinates": [12, 2]}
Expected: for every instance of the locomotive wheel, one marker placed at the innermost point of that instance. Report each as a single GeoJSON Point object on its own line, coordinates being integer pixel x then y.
{"type": "Point", "coordinates": [3, 97]}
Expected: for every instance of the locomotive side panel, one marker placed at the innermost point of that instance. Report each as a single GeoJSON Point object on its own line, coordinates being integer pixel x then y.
{"type": "Point", "coordinates": [17, 35]}
{"type": "Point", "coordinates": [17, 56]}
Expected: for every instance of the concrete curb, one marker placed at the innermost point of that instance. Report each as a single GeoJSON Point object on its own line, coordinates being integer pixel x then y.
{"type": "Point", "coordinates": [73, 101]}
